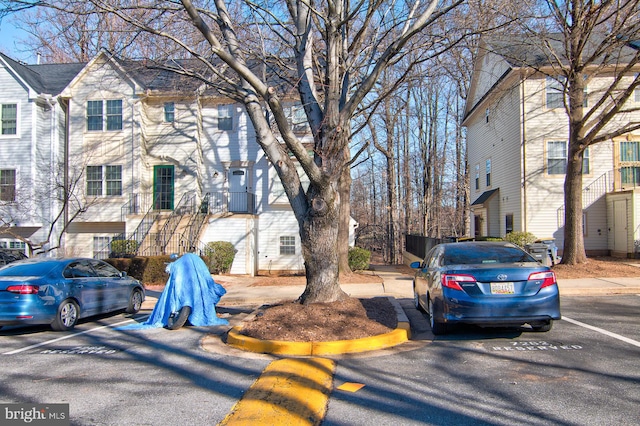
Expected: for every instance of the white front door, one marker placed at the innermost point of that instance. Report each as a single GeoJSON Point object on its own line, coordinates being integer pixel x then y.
{"type": "Point", "coordinates": [238, 190]}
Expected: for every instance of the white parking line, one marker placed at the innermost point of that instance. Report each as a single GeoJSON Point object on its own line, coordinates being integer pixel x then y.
{"type": "Point", "coordinates": [48, 342]}
{"type": "Point", "coordinates": [600, 330]}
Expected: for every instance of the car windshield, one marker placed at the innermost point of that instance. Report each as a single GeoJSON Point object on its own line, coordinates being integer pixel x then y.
{"type": "Point", "coordinates": [38, 269]}
{"type": "Point", "coordinates": [484, 254]}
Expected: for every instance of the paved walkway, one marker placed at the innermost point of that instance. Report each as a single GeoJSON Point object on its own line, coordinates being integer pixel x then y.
{"type": "Point", "coordinates": [400, 286]}
{"type": "Point", "coordinates": [394, 284]}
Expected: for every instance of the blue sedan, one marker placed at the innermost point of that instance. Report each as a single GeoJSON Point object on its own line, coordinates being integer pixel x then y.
{"type": "Point", "coordinates": [61, 291]}
{"type": "Point", "coordinates": [487, 284]}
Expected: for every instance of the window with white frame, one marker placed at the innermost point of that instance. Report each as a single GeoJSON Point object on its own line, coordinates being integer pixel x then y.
{"type": "Point", "coordinates": [17, 245]}
{"type": "Point", "coordinates": [9, 119]}
{"type": "Point", "coordinates": [8, 185]}
{"type": "Point", "coordinates": [555, 92]}
{"type": "Point", "coordinates": [287, 245]}
{"type": "Point", "coordinates": [277, 194]}
{"type": "Point", "coordinates": [477, 177]}
{"type": "Point", "coordinates": [114, 114]}
{"type": "Point", "coordinates": [225, 117]}
{"type": "Point", "coordinates": [557, 158]}
{"type": "Point", "coordinates": [104, 180]}
{"type": "Point", "coordinates": [297, 119]}
{"type": "Point", "coordinates": [169, 112]}
{"type": "Point", "coordinates": [101, 247]}
{"type": "Point", "coordinates": [488, 172]}
{"type": "Point", "coordinates": [104, 115]}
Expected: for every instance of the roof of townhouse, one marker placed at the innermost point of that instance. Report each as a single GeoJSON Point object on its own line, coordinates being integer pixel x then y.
{"type": "Point", "coordinates": [162, 76]}
{"type": "Point", "coordinates": [527, 51]}
{"type": "Point", "coordinates": [180, 75]}
{"type": "Point", "coordinates": [46, 78]}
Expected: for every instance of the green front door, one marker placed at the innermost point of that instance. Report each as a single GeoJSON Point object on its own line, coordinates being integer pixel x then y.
{"type": "Point", "coordinates": [163, 177]}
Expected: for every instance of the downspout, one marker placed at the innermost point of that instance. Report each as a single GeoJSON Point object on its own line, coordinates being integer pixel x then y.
{"type": "Point", "coordinates": [64, 105]}
{"type": "Point", "coordinates": [523, 219]}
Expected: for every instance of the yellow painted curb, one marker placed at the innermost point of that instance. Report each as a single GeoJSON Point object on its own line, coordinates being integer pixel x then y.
{"type": "Point", "coordinates": [277, 347]}
{"type": "Point", "coordinates": [289, 392]}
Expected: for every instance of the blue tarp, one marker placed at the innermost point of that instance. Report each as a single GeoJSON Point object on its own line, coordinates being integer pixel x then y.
{"type": "Point", "coordinates": [189, 284]}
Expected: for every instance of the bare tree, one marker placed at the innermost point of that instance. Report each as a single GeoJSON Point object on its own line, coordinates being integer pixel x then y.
{"type": "Point", "coordinates": [328, 55]}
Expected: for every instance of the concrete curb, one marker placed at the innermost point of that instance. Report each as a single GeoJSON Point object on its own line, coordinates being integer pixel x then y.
{"type": "Point", "coordinates": [277, 347]}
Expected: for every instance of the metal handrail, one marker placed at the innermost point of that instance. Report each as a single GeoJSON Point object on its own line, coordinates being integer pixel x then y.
{"type": "Point", "coordinates": [185, 206]}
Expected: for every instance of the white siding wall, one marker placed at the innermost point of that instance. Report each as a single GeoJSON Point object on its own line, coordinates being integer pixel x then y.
{"type": "Point", "coordinates": [488, 71]}
{"type": "Point", "coordinates": [239, 231]}
{"type": "Point", "coordinates": [17, 150]}
{"type": "Point", "coordinates": [497, 140]}
{"type": "Point", "coordinates": [100, 148]}
{"type": "Point", "coordinates": [273, 225]}
{"type": "Point", "coordinates": [34, 153]}
{"type": "Point", "coordinates": [545, 192]}
{"type": "Point", "coordinates": [170, 144]}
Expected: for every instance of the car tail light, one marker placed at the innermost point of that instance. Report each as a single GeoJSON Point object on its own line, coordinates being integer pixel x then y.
{"type": "Point", "coordinates": [548, 278]}
{"type": "Point", "coordinates": [453, 280]}
{"type": "Point", "coordinates": [23, 289]}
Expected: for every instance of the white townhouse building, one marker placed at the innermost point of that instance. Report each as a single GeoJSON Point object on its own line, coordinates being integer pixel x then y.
{"type": "Point", "coordinates": [517, 135]}
{"type": "Point", "coordinates": [32, 150]}
{"type": "Point", "coordinates": [171, 164]}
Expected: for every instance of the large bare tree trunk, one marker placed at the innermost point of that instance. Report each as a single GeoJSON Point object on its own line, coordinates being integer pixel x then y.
{"type": "Point", "coordinates": [319, 236]}
{"type": "Point", "coordinates": [574, 250]}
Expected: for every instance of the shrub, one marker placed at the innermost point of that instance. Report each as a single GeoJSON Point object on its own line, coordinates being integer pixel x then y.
{"type": "Point", "coordinates": [219, 255]}
{"type": "Point", "coordinates": [123, 248]}
{"type": "Point", "coordinates": [154, 271]}
{"type": "Point", "coordinates": [520, 238]}
{"type": "Point", "coordinates": [134, 267]}
{"type": "Point", "coordinates": [359, 258]}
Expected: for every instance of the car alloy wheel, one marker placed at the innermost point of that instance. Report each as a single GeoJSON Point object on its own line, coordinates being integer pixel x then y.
{"type": "Point", "coordinates": [67, 316]}
{"type": "Point", "coordinates": [135, 302]}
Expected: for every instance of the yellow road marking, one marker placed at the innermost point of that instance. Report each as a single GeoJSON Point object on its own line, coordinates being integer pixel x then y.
{"type": "Point", "coordinates": [289, 392]}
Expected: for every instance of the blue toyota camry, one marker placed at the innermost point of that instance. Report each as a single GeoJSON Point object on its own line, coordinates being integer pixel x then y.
{"type": "Point", "coordinates": [487, 284]}
{"type": "Point", "coordinates": [61, 291]}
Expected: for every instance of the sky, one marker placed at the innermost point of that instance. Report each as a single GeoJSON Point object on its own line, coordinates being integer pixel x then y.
{"type": "Point", "coordinates": [10, 41]}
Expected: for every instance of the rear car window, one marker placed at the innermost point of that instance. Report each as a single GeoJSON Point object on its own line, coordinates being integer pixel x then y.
{"type": "Point", "coordinates": [484, 254]}
{"type": "Point", "coordinates": [27, 269]}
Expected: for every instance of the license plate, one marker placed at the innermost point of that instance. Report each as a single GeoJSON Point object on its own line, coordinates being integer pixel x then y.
{"type": "Point", "coordinates": [502, 288]}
